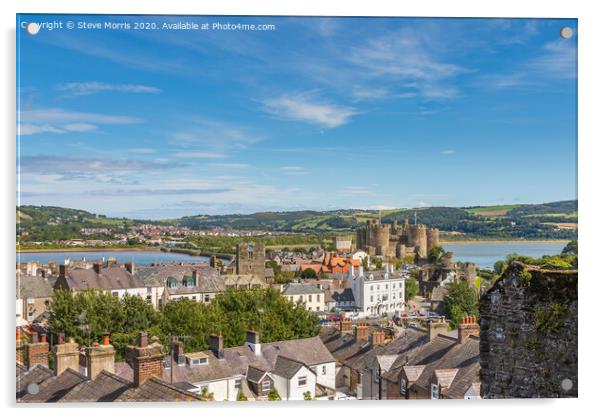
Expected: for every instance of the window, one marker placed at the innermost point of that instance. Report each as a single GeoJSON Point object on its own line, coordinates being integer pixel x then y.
{"type": "Point", "coordinates": [434, 391]}
{"type": "Point", "coordinates": [116, 294]}
{"type": "Point", "coordinates": [265, 384]}
{"type": "Point", "coordinates": [291, 299]}
{"type": "Point", "coordinates": [207, 299]}
{"type": "Point", "coordinates": [371, 298]}
{"type": "Point", "coordinates": [318, 308]}
{"type": "Point", "coordinates": [194, 298]}
{"type": "Point", "coordinates": [375, 375]}
{"type": "Point", "coordinates": [198, 361]}
{"type": "Point", "coordinates": [302, 381]}
{"type": "Point", "coordinates": [371, 287]}
{"type": "Point", "coordinates": [402, 386]}
{"type": "Point", "coordinates": [323, 370]}
{"type": "Point", "coordinates": [318, 298]}
{"type": "Point", "coordinates": [237, 384]}
{"type": "Point", "coordinates": [309, 308]}
{"type": "Point", "coordinates": [310, 298]}
{"type": "Point", "coordinates": [149, 299]}
{"type": "Point", "coordinates": [386, 286]}
{"type": "Point", "coordinates": [149, 290]}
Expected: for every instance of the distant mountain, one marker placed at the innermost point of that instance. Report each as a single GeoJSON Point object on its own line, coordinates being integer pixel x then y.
{"type": "Point", "coordinates": [554, 220]}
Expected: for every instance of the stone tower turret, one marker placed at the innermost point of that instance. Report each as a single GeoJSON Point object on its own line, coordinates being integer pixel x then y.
{"type": "Point", "coordinates": [432, 238]}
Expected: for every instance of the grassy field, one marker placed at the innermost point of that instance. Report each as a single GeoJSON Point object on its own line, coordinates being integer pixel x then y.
{"type": "Point", "coordinates": [492, 211]}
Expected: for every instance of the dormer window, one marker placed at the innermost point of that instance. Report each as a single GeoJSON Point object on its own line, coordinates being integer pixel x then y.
{"type": "Point", "coordinates": [197, 361]}
{"type": "Point", "coordinates": [434, 391]}
{"type": "Point", "coordinates": [172, 283]}
{"type": "Point", "coordinates": [403, 387]}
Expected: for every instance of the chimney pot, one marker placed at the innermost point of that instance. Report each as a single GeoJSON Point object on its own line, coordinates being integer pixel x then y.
{"type": "Point", "coordinates": [35, 338]}
{"type": "Point", "coordinates": [43, 338]}
{"type": "Point", "coordinates": [143, 339]}
{"type": "Point", "coordinates": [105, 339]}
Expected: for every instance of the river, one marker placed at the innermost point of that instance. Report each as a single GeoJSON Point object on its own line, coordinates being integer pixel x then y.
{"type": "Point", "coordinates": [138, 257]}
{"type": "Point", "coordinates": [485, 254]}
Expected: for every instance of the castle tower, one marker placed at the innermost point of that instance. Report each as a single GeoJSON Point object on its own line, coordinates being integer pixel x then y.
{"type": "Point", "coordinates": [420, 240]}
{"type": "Point", "coordinates": [432, 238]}
{"type": "Point", "coordinates": [250, 259]}
{"type": "Point", "coordinates": [381, 237]}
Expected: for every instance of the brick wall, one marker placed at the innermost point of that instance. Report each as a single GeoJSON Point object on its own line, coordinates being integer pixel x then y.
{"type": "Point", "coordinates": [38, 354]}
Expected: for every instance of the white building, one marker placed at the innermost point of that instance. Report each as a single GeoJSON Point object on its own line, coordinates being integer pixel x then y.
{"type": "Point", "coordinates": [378, 292]}
{"type": "Point", "coordinates": [311, 295]}
{"type": "Point", "coordinates": [292, 367]}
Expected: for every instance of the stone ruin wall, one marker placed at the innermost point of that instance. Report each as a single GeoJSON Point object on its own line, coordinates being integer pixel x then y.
{"type": "Point", "coordinates": [529, 334]}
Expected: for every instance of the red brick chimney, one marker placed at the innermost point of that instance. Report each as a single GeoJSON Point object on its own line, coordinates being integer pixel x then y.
{"type": "Point", "coordinates": [38, 351]}
{"type": "Point", "coordinates": [216, 345]}
{"type": "Point", "coordinates": [21, 347]}
{"type": "Point", "coordinates": [361, 332]}
{"type": "Point", "coordinates": [468, 326]}
{"type": "Point", "coordinates": [147, 360]}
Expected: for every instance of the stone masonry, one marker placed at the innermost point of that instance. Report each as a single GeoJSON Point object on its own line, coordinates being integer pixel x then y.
{"type": "Point", "coordinates": [529, 334]}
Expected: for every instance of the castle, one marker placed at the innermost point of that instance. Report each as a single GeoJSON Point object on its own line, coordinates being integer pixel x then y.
{"type": "Point", "coordinates": [392, 240]}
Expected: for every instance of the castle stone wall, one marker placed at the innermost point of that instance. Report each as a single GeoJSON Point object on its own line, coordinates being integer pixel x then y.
{"type": "Point", "coordinates": [528, 334]}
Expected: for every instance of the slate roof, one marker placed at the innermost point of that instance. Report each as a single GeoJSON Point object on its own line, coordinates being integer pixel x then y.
{"type": "Point", "coordinates": [20, 369]}
{"type": "Point", "coordinates": [106, 387]}
{"type": "Point", "coordinates": [408, 340]}
{"type": "Point", "coordinates": [33, 287]}
{"type": "Point", "coordinates": [53, 388]}
{"type": "Point", "coordinates": [342, 295]}
{"type": "Point", "coordinates": [36, 375]}
{"type": "Point", "coordinates": [156, 390]}
{"type": "Point", "coordinates": [255, 374]}
{"type": "Point", "coordinates": [236, 361]}
{"type": "Point", "coordinates": [109, 278]}
{"type": "Point", "coordinates": [438, 294]}
{"type": "Point", "coordinates": [301, 289]}
{"type": "Point", "coordinates": [286, 367]}
{"type": "Point", "coordinates": [155, 276]}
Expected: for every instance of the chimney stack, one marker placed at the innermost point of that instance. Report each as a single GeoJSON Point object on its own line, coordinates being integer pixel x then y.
{"type": "Point", "coordinates": [196, 277]}
{"type": "Point", "coordinates": [38, 351]}
{"type": "Point", "coordinates": [21, 347]}
{"type": "Point", "coordinates": [66, 355]}
{"type": "Point", "coordinates": [62, 270]}
{"type": "Point", "coordinates": [97, 266]}
{"type": "Point", "coordinates": [213, 262]}
{"type": "Point", "coordinates": [178, 351]}
{"type": "Point", "coordinates": [468, 326]}
{"type": "Point", "coordinates": [216, 344]}
{"type": "Point", "coordinates": [100, 357]}
{"type": "Point", "coordinates": [253, 341]}
{"type": "Point", "coordinates": [436, 327]}
{"type": "Point", "coordinates": [147, 360]}
{"type": "Point", "coordinates": [361, 332]}
{"type": "Point", "coordinates": [377, 337]}
{"type": "Point", "coordinates": [130, 267]}
{"type": "Point", "coordinates": [345, 325]}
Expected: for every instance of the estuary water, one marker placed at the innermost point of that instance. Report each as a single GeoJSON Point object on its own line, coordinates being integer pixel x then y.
{"type": "Point", "coordinates": [485, 254]}
{"type": "Point", "coordinates": [138, 257]}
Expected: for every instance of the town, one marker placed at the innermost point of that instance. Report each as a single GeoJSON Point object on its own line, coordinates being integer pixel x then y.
{"type": "Point", "coordinates": [386, 314]}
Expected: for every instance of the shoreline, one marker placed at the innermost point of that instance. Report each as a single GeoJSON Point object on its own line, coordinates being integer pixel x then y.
{"type": "Point", "coordinates": [85, 249]}
{"type": "Point", "coordinates": [501, 241]}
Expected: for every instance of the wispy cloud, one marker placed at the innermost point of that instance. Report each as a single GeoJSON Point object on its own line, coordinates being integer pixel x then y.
{"type": "Point", "coordinates": [199, 155]}
{"type": "Point", "coordinates": [230, 165]}
{"type": "Point", "coordinates": [557, 60]}
{"type": "Point", "coordinates": [217, 135]}
{"type": "Point", "coordinates": [94, 87]}
{"type": "Point", "coordinates": [294, 170]}
{"type": "Point", "coordinates": [447, 152]}
{"type": "Point", "coordinates": [59, 121]}
{"type": "Point", "coordinates": [307, 108]}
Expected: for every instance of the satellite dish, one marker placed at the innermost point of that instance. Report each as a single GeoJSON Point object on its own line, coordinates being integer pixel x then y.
{"type": "Point", "coordinates": [33, 388]}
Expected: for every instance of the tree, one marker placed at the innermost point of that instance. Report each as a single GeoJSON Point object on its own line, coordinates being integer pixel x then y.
{"type": "Point", "coordinates": [411, 288]}
{"type": "Point", "coordinates": [307, 395]}
{"type": "Point", "coordinates": [241, 397]}
{"type": "Point", "coordinates": [365, 263]}
{"type": "Point", "coordinates": [273, 395]}
{"type": "Point", "coordinates": [500, 266]}
{"type": "Point", "coordinates": [205, 394]}
{"type": "Point", "coordinates": [377, 262]}
{"type": "Point", "coordinates": [309, 273]}
{"type": "Point", "coordinates": [460, 301]}
{"type": "Point", "coordinates": [435, 254]}
{"type": "Point", "coordinates": [570, 248]}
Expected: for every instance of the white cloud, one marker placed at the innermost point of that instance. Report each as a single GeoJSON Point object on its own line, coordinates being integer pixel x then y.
{"type": "Point", "coordinates": [88, 88]}
{"type": "Point", "coordinates": [447, 152]}
{"type": "Point", "coordinates": [200, 155]}
{"type": "Point", "coordinates": [304, 107]}
{"type": "Point", "coordinates": [294, 170]}
{"type": "Point", "coordinates": [59, 121]}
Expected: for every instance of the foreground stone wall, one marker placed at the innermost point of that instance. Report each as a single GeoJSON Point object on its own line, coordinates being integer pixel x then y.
{"type": "Point", "coordinates": [529, 334]}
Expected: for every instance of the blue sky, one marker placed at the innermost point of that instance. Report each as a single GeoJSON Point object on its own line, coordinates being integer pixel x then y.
{"type": "Point", "coordinates": [321, 113]}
